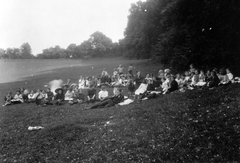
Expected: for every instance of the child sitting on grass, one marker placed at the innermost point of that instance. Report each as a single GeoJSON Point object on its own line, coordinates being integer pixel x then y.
{"type": "Point", "coordinates": [49, 97]}
{"type": "Point", "coordinates": [78, 97]}
{"type": "Point", "coordinates": [8, 99]}
{"type": "Point", "coordinates": [31, 97]}
{"type": "Point", "coordinates": [39, 96]}
{"type": "Point", "coordinates": [91, 94]}
{"type": "Point", "coordinates": [103, 93]}
{"type": "Point", "coordinates": [59, 97]}
{"type": "Point", "coordinates": [17, 98]}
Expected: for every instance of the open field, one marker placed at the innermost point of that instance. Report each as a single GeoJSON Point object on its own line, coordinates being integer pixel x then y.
{"type": "Point", "coordinates": [195, 126]}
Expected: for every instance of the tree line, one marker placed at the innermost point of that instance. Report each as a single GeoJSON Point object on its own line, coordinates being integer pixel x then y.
{"type": "Point", "coordinates": [98, 45]}
{"type": "Point", "coordinates": [174, 33]}
{"type": "Point", "coordinates": [179, 32]}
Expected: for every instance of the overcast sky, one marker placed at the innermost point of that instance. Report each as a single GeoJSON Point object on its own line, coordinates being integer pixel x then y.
{"type": "Point", "coordinates": [46, 23]}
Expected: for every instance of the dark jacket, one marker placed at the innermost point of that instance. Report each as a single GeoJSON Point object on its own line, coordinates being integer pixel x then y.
{"type": "Point", "coordinates": [117, 99]}
{"type": "Point", "coordinates": [59, 96]}
{"type": "Point", "coordinates": [173, 86]}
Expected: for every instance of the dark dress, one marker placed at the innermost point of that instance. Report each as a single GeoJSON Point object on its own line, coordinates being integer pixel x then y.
{"type": "Point", "coordinates": [173, 86]}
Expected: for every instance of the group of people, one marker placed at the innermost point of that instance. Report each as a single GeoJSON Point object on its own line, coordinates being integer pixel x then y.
{"type": "Point", "coordinates": [137, 86]}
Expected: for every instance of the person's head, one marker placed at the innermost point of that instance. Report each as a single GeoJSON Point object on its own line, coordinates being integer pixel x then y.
{"type": "Point", "coordinates": [48, 90]}
{"type": "Point", "coordinates": [60, 91]}
{"type": "Point", "coordinates": [208, 72]}
{"type": "Point", "coordinates": [18, 92]}
{"type": "Point", "coordinates": [178, 76]}
{"type": "Point", "coordinates": [191, 66]}
{"type": "Point", "coordinates": [104, 69]}
{"type": "Point", "coordinates": [147, 76]}
{"type": "Point", "coordinates": [43, 91]}
{"type": "Point", "coordinates": [139, 73]}
{"type": "Point", "coordinates": [196, 72]}
{"type": "Point", "coordinates": [213, 73]}
{"type": "Point", "coordinates": [172, 77]}
{"type": "Point", "coordinates": [9, 93]}
{"type": "Point", "coordinates": [167, 75]}
{"type": "Point", "coordinates": [38, 90]}
{"type": "Point", "coordinates": [186, 73]}
{"type": "Point", "coordinates": [228, 71]}
{"type": "Point", "coordinates": [103, 87]}
{"type": "Point", "coordinates": [79, 90]}
{"type": "Point", "coordinates": [167, 71]}
{"type": "Point", "coordinates": [32, 91]}
{"type": "Point", "coordinates": [202, 72]}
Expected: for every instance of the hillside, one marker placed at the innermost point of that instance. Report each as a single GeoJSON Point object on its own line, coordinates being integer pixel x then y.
{"type": "Point", "coordinates": [195, 126]}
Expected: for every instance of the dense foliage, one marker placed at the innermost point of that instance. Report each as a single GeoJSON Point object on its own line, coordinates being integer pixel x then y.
{"type": "Point", "coordinates": [24, 52]}
{"type": "Point", "coordinates": [181, 32]}
{"type": "Point", "coordinates": [97, 45]}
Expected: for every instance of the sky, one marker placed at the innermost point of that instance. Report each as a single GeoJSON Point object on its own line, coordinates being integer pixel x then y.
{"type": "Point", "coordinates": [47, 23]}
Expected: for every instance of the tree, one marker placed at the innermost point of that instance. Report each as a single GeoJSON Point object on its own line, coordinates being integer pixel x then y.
{"type": "Point", "coordinates": [26, 51]}
{"type": "Point", "coordinates": [100, 44]}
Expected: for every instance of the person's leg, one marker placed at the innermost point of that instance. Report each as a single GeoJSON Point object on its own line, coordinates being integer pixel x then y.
{"type": "Point", "coordinates": [100, 104]}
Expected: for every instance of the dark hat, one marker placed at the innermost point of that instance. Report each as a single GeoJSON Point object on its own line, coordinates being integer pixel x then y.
{"type": "Point", "coordinates": [56, 90]}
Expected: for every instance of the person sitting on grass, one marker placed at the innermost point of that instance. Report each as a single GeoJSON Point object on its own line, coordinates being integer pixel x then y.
{"type": "Point", "coordinates": [59, 97]}
{"type": "Point", "coordinates": [81, 82]}
{"type": "Point", "coordinates": [31, 96]}
{"type": "Point", "coordinates": [103, 93]}
{"type": "Point", "coordinates": [78, 97]}
{"type": "Point", "coordinates": [69, 95]}
{"type": "Point", "coordinates": [223, 77]}
{"type": "Point", "coordinates": [39, 97]}
{"type": "Point", "coordinates": [49, 97]}
{"type": "Point", "coordinates": [173, 85]}
{"type": "Point", "coordinates": [91, 97]}
{"type": "Point", "coordinates": [195, 78]}
{"type": "Point", "coordinates": [230, 75]}
{"type": "Point", "coordinates": [115, 99]}
{"type": "Point", "coordinates": [8, 99]}
{"type": "Point", "coordinates": [179, 80]}
{"type": "Point", "coordinates": [142, 90]}
{"type": "Point", "coordinates": [131, 87]}
{"type": "Point", "coordinates": [214, 80]}
{"type": "Point", "coordinates": [17, 99]}
{"type": "Point", "coordinates": [25, 95]}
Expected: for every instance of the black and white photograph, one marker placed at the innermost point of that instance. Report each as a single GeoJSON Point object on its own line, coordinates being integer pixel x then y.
{"type": "Point", "coordinates": [119, 81]}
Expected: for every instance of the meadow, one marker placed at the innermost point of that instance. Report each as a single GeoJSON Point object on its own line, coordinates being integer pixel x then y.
{"type": "Point", "coordinates": [201, 125]}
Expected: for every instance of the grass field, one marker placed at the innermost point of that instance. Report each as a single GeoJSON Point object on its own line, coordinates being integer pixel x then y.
{"type": "Point", "coordinates": [195, 126]}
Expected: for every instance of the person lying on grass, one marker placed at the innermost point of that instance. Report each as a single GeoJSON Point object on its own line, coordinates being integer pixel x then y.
{"type": "Point", "coordinates": [115, 99]}
{"type": "Point", "coordinates": [8, 99]}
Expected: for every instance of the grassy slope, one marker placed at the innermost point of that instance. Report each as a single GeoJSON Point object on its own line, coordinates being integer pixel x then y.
{"type": "Point", "coordinates": [195, 126]}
